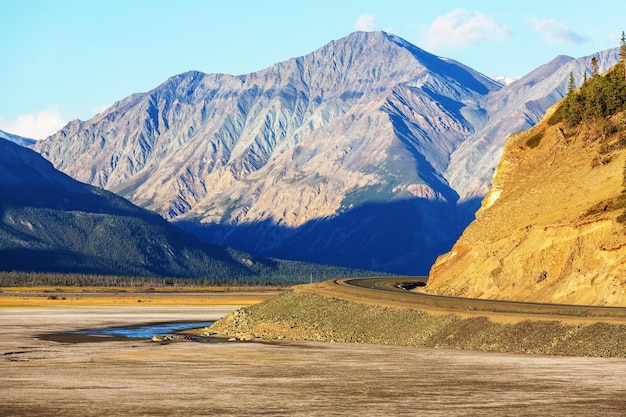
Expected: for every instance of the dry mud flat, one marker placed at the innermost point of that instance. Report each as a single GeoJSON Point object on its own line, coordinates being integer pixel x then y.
{"type": "Point", "coordinates": [138, 377]}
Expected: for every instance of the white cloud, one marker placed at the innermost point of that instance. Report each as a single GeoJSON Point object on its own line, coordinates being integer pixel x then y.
{"type": "Point", "coordinates": [554, 31]}
{"type": "Point", "coordinates": [365, 22]}
{"type": "Point", "coordinates": [38, 125]}
{"type": "Point", "coordinates": [460, 28]}
{"type": "Point", "coordinates": [100, 109]}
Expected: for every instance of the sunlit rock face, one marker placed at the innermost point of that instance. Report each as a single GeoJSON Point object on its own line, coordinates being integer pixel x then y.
{"type": "Point", "coordinates": [549, 229]}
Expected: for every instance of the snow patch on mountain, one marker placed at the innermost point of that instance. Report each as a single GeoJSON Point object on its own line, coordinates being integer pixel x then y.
{"type": "Point", "coordinates": [504, 80]}
{"type": "Point", "coordinates": [26, 142]}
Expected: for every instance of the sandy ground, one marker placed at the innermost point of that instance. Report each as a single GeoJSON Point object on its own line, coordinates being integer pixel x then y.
{"type": "Point", "coordinates": [120, 378]}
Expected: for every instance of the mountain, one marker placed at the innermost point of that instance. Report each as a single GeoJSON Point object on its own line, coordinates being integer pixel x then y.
{"type": "Point", "coordinates": [53, 223]}
{"type": "Point", "coordinates": [369, 152]}
{"type": "Point", "coordinates": [552, 227]}
{"type": "Point", "coordinates": [17, 139]}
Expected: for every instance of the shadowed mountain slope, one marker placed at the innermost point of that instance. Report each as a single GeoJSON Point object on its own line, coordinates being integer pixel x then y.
{"type": "Point", "coordinates": [53, 223]}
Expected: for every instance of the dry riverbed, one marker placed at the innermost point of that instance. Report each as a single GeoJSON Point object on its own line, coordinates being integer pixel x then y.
{"type": "Point", "coordinates": [41, 377]}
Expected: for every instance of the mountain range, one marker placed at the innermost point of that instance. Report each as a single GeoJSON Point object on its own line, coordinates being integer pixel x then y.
{"type": "Point", "coordinates": [368, 153]}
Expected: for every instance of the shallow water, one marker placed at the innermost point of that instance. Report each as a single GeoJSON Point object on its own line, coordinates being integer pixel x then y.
{"type": "Point", "coordinates": [145, 331]}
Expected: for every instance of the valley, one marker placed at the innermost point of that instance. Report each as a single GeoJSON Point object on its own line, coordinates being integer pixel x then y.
{"type": "Point", "coordinates": [368, 228]}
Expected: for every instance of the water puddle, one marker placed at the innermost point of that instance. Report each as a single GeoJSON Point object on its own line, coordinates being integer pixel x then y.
{"type": "Point", "coordinates": [142, 331]}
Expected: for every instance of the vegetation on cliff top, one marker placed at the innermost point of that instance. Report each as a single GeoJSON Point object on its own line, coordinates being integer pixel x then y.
{"type": "Point", "coordinates": [597, 97]}
{"type": "Point", "coordinates": [597, 106]}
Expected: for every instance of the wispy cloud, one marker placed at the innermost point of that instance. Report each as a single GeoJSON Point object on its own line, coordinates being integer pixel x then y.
{"type": "Point", "coordinates": [460, 28]}
{"type": "Point", "coordinates": [100, 108]}
{"type": "Point", "coordinates": [554, 31]}
{"type": "Point", "coordinates": [38, 125]}
{"type": "Point", "coordinates": [365, 22]}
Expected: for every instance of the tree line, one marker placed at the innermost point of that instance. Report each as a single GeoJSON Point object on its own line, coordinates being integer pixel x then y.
{"type": "Point", "coordinates": [597, 97]}
{"type": "Point", "coordinates": [33, 279]}
{"type": "Point", "coordinates": [592, 108]}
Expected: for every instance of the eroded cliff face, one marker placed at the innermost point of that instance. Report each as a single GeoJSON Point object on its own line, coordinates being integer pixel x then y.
{"type": "Point", "coordinates": [548, 230]}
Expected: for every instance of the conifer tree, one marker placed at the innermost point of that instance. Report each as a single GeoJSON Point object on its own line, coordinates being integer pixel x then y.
{"type": "Point", "coordinates": [622, 53]}
{"type": "Point", "coordinates": [594, 67]}
{"type": "Point", "coordinates": [571, 84]}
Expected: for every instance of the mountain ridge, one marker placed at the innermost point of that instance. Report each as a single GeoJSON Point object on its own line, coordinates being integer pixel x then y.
{"type": "Point", "coordinates": [51, 223]}
{"type": "Point", "coordinates": [295, 147]}
{"type": "Point", "coordinates": [20, 140]}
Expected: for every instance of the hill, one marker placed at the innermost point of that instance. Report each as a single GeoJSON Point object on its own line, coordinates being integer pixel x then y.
{"type": "Point", "coordinates": [52, 223]}
{"type": "Point", "coordinates": [552, 227]}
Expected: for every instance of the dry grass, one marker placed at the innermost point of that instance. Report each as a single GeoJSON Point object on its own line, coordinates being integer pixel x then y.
{"type": "Point", "coordinates": [129, 296]}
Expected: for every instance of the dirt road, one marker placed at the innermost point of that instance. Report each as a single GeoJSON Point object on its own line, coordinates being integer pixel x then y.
{"type": "Point", "coordinates": [137, 377]}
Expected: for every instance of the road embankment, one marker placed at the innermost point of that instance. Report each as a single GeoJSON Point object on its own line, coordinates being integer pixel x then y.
{"type": "Point", "coordinates": [331, 312]}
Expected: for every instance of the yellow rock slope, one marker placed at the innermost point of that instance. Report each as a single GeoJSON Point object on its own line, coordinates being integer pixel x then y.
{"type": "Point", "coordinates": [548, 231]}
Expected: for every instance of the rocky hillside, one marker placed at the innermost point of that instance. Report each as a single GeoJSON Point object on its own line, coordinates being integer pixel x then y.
{"type": "Point", "coordinates": [368, 152]}
{"type": "Point", "coordinates": [514, 108]}
{"type": "Point", "coordinates": [552, 228]}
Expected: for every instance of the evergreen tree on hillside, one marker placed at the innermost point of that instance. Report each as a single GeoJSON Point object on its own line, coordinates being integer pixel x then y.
{"type": "Point", "coordinates": [597, 98]}
{"type": "Point", "coordinates": [622, 53]}
{"type": "Point", "coordinates": [594, 67]}
{"type": "Point", "coordinates": [571, 84]}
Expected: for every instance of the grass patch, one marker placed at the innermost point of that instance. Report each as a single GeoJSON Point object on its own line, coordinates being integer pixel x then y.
{"type": "Point", "coordinates": [534, 140]}
{"type": "Point", "coordinates": [612, 204]}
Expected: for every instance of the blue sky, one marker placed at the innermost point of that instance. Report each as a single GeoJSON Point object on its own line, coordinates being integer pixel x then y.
{"type": "Point", "coordinates": [69, 59]}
